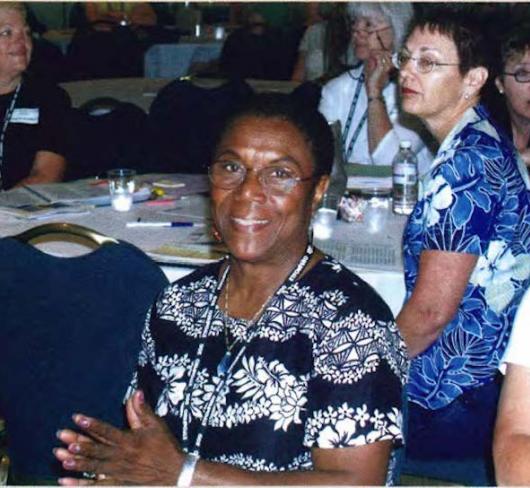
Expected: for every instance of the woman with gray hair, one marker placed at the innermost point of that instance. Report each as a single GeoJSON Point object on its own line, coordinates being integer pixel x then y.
{"type": "Point", "coordinates": [364, 99]}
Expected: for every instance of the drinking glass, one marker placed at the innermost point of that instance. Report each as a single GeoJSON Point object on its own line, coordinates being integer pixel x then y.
{"type": "Point", "coordinates": [376, 212]}
{"type": "Point", "coordinates": [121, 188]}
{"type": "Point", "coordinates": [325, 217]}
{"type": "Point", "coordinates": [4, 469]}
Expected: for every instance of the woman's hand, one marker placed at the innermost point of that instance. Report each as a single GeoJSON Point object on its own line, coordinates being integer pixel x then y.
{"type": "Point", "coordinates": [377, 69]}
{"type": "Point", "coordinates": [147, 454]}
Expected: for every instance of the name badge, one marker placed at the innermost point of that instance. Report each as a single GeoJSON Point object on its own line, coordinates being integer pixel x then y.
{"type": "Point", "coordinates": [25, 116]}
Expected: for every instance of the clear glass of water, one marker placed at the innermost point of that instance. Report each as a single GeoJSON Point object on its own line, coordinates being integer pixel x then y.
{"type": "Point", "coordinates": [4, 469]}
{"type": "Point", "coordinates": [325, 217]}
{"type": "Point", "coordinates": [121, 187]}
{"type": "Point", "coordinates": [376, 212]}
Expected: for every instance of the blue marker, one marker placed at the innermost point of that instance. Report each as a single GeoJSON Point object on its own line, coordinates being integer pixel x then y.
{"type": "Point", "coordinates": [165, 224]}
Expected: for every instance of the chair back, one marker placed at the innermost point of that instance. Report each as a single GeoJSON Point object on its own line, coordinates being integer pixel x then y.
{"type": "Point", "coordinates": [183, 122]}
{"type": "Point", "coordinates": [106, 134]}
{"type": "Point", "coordinates": [70, 332]}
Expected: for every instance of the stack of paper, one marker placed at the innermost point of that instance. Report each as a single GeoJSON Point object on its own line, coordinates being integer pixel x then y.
{"type": "Point", "coordinates": [48, 200]}
{"type": "Point", "coordinates": [39, 211]}
{"type": "Point", "coordinates": [368, 176]}
{"type": "Point", "coordinates": [82, 192]}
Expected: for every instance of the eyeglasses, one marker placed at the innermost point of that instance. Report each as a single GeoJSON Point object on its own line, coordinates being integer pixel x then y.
{"type": "Point", "coordinates": [358, 30]}
{"type": "Point", "coordinates": [273, 179]}
{"type": "Point", "coordinates": [520, 75]}
{"type": "Point", "coordinates": [421, 65]}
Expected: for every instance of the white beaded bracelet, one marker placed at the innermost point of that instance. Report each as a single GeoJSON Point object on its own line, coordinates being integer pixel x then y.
{"type": "Point", "coordinates": [187, 471]}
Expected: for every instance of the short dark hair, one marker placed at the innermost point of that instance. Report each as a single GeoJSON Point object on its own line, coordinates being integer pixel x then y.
{"type": "Point", "coordinates": [515, 42]}
{"type": "Point", "coordinates": [460, 24]}
{"type": "Point", "coordinates": [309, 121]}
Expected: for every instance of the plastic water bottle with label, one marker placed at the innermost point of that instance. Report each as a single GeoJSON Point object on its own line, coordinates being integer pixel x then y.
{"type": "Point", "coordinates": [404, 180]}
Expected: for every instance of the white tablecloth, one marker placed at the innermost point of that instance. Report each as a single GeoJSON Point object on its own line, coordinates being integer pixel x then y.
{"type": "Point", "coordinates": [374, 254]}
{"type": "Point", "coordinates": [175, 60]}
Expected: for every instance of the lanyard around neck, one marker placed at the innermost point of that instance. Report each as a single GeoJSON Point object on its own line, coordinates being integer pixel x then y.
{"type": "Point", "coordinates": [7, 118]}
{"type": "Point", "coordinates": [186, 411]}
{"type": "Point", "coordinates": [349, 149]}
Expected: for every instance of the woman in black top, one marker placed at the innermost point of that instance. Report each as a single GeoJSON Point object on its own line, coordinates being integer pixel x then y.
{"type": "Point", "coordinates": [32, 114]}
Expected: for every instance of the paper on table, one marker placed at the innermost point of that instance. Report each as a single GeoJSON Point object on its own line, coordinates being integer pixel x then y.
{"type": "Point", "coordinates": [368, 169]}
{"type": "Point", "coordinates": [187, 255]}
{"type": "Point", "coordinates": [168, 183]}
{"type": "Point", "coordinates": [19, 196]}
{"type": "Point", "coordinates": [83, 192]}
{"type": "Point", "coordinates": [369, 182]}
{"type": "Point", "coordinates": [40, 211]}
{"type": "Point", "coordinates": [363, 255]}
{"type": "Point", "coordinates": [196, 207]}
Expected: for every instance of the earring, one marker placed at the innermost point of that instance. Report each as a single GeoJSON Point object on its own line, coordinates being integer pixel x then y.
{"type": "Point", "coordinates": [466, 96]}
{"type": "Point", "coordinates": [216, 234]}
{"type": "Point", "coordinates": [501, 91]}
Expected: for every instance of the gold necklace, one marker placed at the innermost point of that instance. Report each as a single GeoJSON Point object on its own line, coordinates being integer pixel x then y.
{"type": "Point", "coordinates": [249, 323]}
{"type": "Point", "coordinates": [226, 361]}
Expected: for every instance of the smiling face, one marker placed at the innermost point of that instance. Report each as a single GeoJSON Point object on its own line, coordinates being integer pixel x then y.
{"type": "Point", "coordinates": [371, 34]}
{"type": "Point", "coordinates": [259, 226]}
{"type": "Point", "coordinates": [517, 94]}
{"type": "Point", "coordinates": [15, 44]}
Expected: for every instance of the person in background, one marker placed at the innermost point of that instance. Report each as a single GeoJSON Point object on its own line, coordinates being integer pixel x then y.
{"type": "Point", "coordinates": [511, 446]}
{"type": "Point", "coordinates": [513, 84]}
{"type": "Point", "coordinates": [325, 50]}
{"type": "Point", "coordinates": [364, 99]}
{"type": "Point", "coordinates": [276, 365]}
{"type": "Point", "coordinates": [34, 113]}
{"type": "Point", "coordinates": [313, 13]}
{"type": "Point", "coordinates": [105, 15]}
{"type": "Point", "coordinates": [466, 252]}
{"type": "Point", "coordinates": [111, 39]}
{"type": "Point", "coordinates": [248, 52]}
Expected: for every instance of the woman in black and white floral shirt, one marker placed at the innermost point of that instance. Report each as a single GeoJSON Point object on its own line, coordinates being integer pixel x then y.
{"type": "Point", "coordinates": [276, 365]}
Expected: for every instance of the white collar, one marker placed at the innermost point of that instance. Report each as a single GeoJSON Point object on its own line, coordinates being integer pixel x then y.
{"type": "Point", "coordinates": [357, 71]}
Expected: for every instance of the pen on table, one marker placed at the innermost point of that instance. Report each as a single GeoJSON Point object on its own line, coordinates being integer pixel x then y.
{"type": "Point", "coordinates": [165, 224]}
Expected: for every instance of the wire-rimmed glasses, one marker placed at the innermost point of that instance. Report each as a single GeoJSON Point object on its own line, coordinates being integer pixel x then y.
{"type": "Point", "coordinates": [521, 75]}
{"type": "Point", "coordinates": [274, 179]}
{"type": "Point", "coordinates": [422, 64]}
{"type": "Point", "coordinates": [360, 30]}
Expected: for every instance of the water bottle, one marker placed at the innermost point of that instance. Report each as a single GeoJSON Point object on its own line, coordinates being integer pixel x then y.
{"type": "Point", "coordinates": [404, 180]}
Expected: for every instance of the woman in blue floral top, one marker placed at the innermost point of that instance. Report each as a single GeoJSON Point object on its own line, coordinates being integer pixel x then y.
{"type": "Point", "coordinates": [466, 252]}
{"type": "Point", "coordinates": [274, 366]}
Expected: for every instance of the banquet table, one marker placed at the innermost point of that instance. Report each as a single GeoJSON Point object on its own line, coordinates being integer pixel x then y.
{"type": "Point", "coordinates": [175, 60]}
{"type": "Point", "coordinates": [372, 251]}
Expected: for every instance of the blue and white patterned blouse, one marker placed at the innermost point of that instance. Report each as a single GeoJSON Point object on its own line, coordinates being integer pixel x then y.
{"type": "Point", "coordinates": [326, 369]}
{"type": "Point", "coordinates": [475, 200]}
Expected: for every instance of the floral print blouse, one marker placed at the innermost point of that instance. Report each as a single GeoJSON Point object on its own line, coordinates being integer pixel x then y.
{"type": "Point", "coordinates": [325, 367]}
{"type": "Point", "coordinates": [475, 200]}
